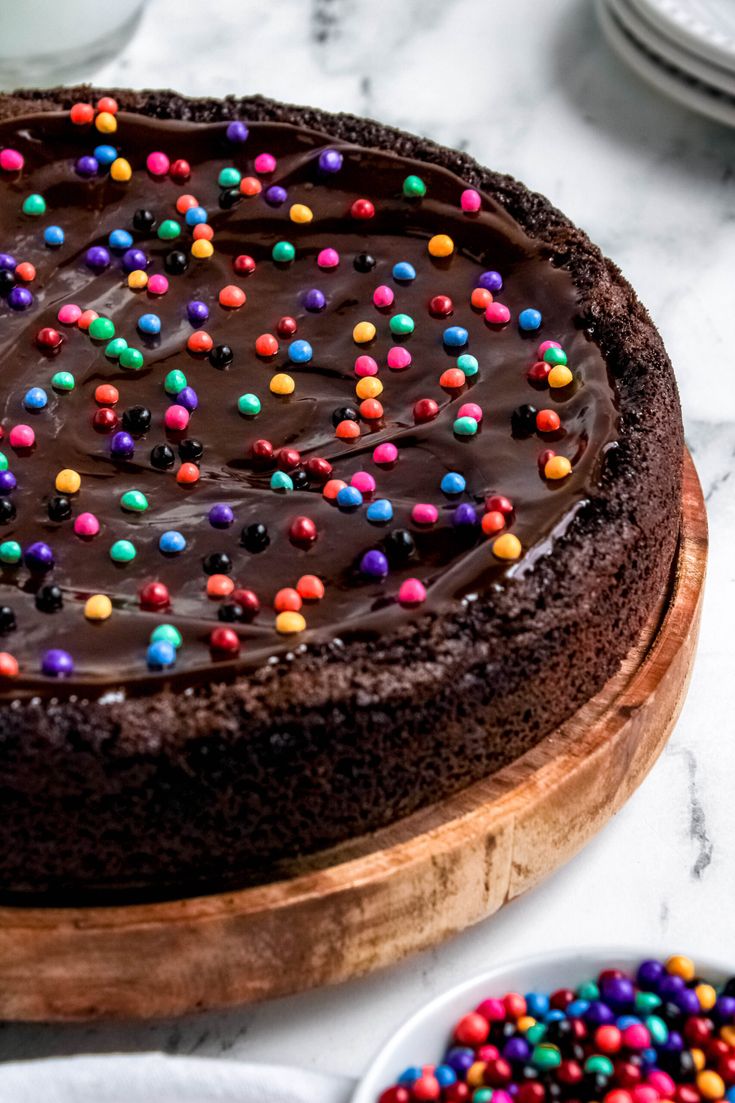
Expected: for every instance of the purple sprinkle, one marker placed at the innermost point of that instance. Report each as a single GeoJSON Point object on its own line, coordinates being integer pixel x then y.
{"type": "Point", "coordinates": [87, 166]}
{"type": "Point", "coordinates": [275, 195]}
{"type": "Point", "coordinates": [688, 1001]}
{"type": "Point", "coordinates": [122, 444]}
{"type": "Point", "coordinates": [197, 311]}
{"type": "Point", "coordinates": [237, 132]}
{"type": "Point", "coordinates": [330, 160]}
{"type": "Point", "coordinates": [97, 257]}
{"type": "Point", "coordinates": [599, 1013]}
{"type": "Point", "coordinates": [39, 557]}
{"type": "Point", "coordinates": [188, 398]}
{"type": "Point", "coordinates": [374, 564]}
{"type": "Point", "coordinates": [491, 281]}
{"type": "Point", "coordinates": [57, 663]}
{"type": "Point", "coordinates": [8, 481]}
{"type": "Point", "coordinates": [134, 260]}
{"type": "Point", "coordinates": [649, 974]}
{"type": "Point", "coordinates": [617, 991]}
{"type": "Point", "coordinates": [516, 1049]}
{"type": "Point", "coordinates": [464, 514]}
{"type": "Point", "coordinates": [315, 300]}
{"type": "Point", "coordinates": [725, 1008]}
{"type": "Point", "coordinates": [220, 516]}
{"type": "Point", "coordinates": [8, 262]}
{"type": "Point", "coordinates": [19, 298]}
{"type": "Point", "coordinates": [670, 986]}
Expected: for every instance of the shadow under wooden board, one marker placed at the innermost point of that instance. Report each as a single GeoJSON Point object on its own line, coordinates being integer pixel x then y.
{"type": "Point", "coordinates": [370, 902]}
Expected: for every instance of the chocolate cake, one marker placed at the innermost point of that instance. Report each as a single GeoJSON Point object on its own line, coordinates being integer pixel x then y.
{"type": "Point", "coordinates": [337, 471]}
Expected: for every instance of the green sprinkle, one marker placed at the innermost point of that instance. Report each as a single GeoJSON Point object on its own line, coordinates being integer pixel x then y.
{"type": "Point", "coordinates": [229, 178]}
{"type": "Point", "coordinates": [283, 252]}
{"type": "Point", "coordinates": [34, 205]}
{"type": "Point", "coordinates": [589, 990]}
{"type": "Point", "coordinates": [135, 501]}
{"type": "Point", "coordinates": [546, 1057]}
{"type": "Point", "coordinates": [169, 229]}
{"type": "Point", "coordinates": [102, 329]}
{"type": "Point", "coordinates": [3, 462]}
{"type": "Point", "coordinates": [174, 382]}
{"type": "Point", "coordinates": [131, 358]}
{"type": "Point", "coordinates": [598, 1063]}
{"type": "Point", "coordinates": [116, 347]}
{"type": "Point", "coordinates": [401, 324]}
{"type": "Point", "coordinates": [248, 405]}
{"type": "Point", "coordinates": [167, 633]}
{"type": "Point", "coordinates": [10, 551]}
{"type": "Point", "coordinates": [555, 356]}
{"type": "Point", "coordinates": [536, 1033]}
{"type": "Point", "coordinates": [468, 363]}
{"type": "Point", "coordinates": [63, 381]}
{"type": "Point", "coordinates": [465, 427]}
{"type": "Point", "coordinates": [658, 1030]}
{"type": "Point", "coordinates": [647, 1001]}
{"type": "Point", "coordinates": [281, 481]}
{"type": "Point", "coordinates": [482, 1095]}
{"type": "Point", "coordinates": [122, 551]}
{"type": "Point", "coordinates": [414, 187]}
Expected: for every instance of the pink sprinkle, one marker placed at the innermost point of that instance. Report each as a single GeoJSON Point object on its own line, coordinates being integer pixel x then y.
{"type": "Point", "coordinates": [398, 358]}
{"type": "Point", "coordinates": [412, 592]}
{"type": "Point", "coordinates": [157, 285]}
{"type": "Point", "coordinates": [636, 1036]}
{"type": "Point", "coordinates": [365, 365]}
{"type": "Point", "coordinates": [264, 163]}
{"type": "Point", "coordinates": [492, 1010]}
{"type": "Point", "coordinates": [11, 160]}
{"type": "Point", "coordinates": [176, 417]}
{"type": "Point", "coordinates": [423, 513]}
{"type": "Point", "coordinates": [363, 481]}
{"type": "Point", "coordinates": [547, 345]}
{"type": "Point", "coordinates": [662, 1083]}
{"type": "Point", "coordinates": [328, 258]}
{"type": "Point", "coordinates": [502, 1097]}
{"type": "Point", "coordinates": [157, 164]}
{"type": "Point", "coordinates": [70, 314]}
{"type": "Point", "coordinates": [385, 453]}
{"type": "Point", "coordinates": [383, 296]}
{"type": "Point", "coordinates": [644, 1093]}
{"type": "Point", "coordinates": [497, 314]}
{"type": "Point", "coordinates": [470, 201]}
{"type": "Point", "coordinates": [86, 524]}
{"type": "Point", "coordinates": [22, 436]}
{"type": "Point", "coordinates": [470, 409]}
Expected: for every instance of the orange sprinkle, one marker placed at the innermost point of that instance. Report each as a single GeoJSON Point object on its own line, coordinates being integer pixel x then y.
{"type": "Point", "coordinates": [480, 298]}
{"type": "Point", "coordinates": [199, 342]}
{"type": "Point", "coordinates": [185, 202]}
{"type": "Point", "coordinates": [232, 296]}
{"type": "Point", "coordinates": [310, 587]}
{"type": "Point", "coordinates": [371, 409]}
{"type": "Point", "coordinates": [287, 600]}
{"type": "Point", "coordinates": [250, 186]}
{"type": "Point", "coordinates": [219, 585]}
{"type": "Point", "coordinates": [106, 394]}
{"type": "Point", "coordinates": [452, 379]}
{"type": "Point", "coordinates": [187, 473]}
{"type": "Point", "coordinates": [86, 318]}
{"type": "Point", "coordinates": [332, 488]}
{"type": "Point", "coordinates": [347, 430]}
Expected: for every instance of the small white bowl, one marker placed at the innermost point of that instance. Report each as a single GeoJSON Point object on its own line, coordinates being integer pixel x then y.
{"type": "Point", "coordinates": [423, 1039]}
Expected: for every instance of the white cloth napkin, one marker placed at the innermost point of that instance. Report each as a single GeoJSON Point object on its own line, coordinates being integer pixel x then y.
{"type": "Point", "coordinates": [157, 1078]}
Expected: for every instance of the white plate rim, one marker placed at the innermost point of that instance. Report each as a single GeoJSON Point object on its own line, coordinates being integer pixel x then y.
{"type": "Point", "coordinates": [386, 1066]}
{"type": "Point", "coordinates": [673, 18]}
{"type": "Point", "coordinates": [684, 90]}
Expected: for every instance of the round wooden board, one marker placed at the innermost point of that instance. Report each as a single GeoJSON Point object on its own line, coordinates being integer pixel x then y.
{"type": "Point", "coordinates": [370, 902]}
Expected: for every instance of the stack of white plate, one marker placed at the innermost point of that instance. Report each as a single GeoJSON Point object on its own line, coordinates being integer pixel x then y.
{"type": "Point", "coordinates": [685, 48]}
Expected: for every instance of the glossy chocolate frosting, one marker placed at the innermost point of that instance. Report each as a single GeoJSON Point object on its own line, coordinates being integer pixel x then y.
{"type": "Point", "coordinates": [452, 562]}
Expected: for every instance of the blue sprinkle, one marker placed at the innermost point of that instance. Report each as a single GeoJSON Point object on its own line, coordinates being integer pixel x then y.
{"type": "Point", "coordinates": [404, 271]}
{"type": "Point", "coordinates": [161, 653]}
{"type": "Point", "coordinates": [537, 1004]}
{"type": "Point", "coordinates": [577, 1008]}
{"type": "Point", "coordinates": [35, 399]}
{"type": "Point", "coordinates": [53, 235]}
{"type": "Point", "coordinates": [409, 1075]}
{"type": "Point", "coordinates": [149, 323]}
{"type": "Point", "coordinates": [300, 352]}
{"type": "Point", "coordinates": [195, 215]}
{"type": "Point", "coordinates": [456, 337]}
{"type": "Point", "coordinates": [625, 1021]}
{"type": "Point", "coordinates": [453, 483]}
{"type": "Point", "coordinates": [171, 542]}
{"type": "Point", "coordinates": [445, 1075]}
{"type": "Point", "coordinates": [529, 319]}
{"type": "Point", "coordinates": [380, 510]}
{"type": "Point", "coordinates": [120, 239]}
{"type": "Point", "coordinates": [105, 155]}
{"type": "Point", "coordinates": [555, 1016]}
{"type": "Point", "coordinates": [349, 497]}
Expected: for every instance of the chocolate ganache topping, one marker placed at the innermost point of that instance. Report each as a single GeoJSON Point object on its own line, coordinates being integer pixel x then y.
{"type": "Point", "coordinates": [358, 392]}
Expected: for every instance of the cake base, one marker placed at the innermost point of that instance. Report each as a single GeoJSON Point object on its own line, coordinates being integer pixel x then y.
{"type": "Point", "coordinates": [372, 901]}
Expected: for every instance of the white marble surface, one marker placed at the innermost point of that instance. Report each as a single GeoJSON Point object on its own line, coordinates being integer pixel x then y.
{"type": "Point", "coordinates": [529, 88]}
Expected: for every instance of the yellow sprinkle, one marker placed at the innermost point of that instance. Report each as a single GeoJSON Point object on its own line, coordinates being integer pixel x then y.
{"type": "Point", "coordinates": [525, 1023]}
{"type": "Point", "coordinates": [710, 1084]}
{"type": "Point", "coordinates": [681, 966]}
{"type": "Point", "coordinates": [363, 332]}
{"type": "Point", "coordinates": [706, 995]}
{"type": "Point", "coordinates": [560, 376]}
{"type": "Point", "coordinates": [120, 170]}
{"type": "Point", "coordinates": [368, 387]}
{"type": "Point", "coordinates": [698, 1058]}
{"type": "Point", "coordinates": [727, 1033]}
{"type": "Point", "coordinates": [68, 481]}
{"type": "Point", "coordinates": [106, 123]}
{"type": "Point", "coordinates": [288, 623]}
{"type": "Point", "coordinates": [476, 1074]}
{"type": "Point", "coordinates": [441, 245]}
{"type": "Point", "coordinates": [282, 384]}
{"type": "Point", "coordinates": [137, 279]}
{"type": "Point", "coordinates": [97, 607]}
{"type": "Point", "coordinates": [558, 467]}
{"type": "Point", "coordinates": [299, 212]}
{"type": "Point", "coordinates": [507, 546]}
{"type": "Point", "coordinates": [202, 248]}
